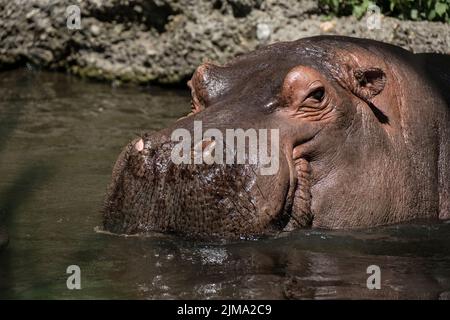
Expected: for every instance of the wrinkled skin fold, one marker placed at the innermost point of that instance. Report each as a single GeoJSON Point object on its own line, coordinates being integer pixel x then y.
{"type": "Point", "coordinates": [364, 131]}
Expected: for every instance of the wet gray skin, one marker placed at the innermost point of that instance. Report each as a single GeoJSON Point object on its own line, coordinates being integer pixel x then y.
{"type": "Point", "coordinates": [59, 138]}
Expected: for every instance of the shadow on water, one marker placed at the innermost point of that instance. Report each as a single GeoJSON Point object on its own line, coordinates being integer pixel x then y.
{"type": "Point", "coordinates": [24, 184]}
{"type": "Point", "coordinates": [21, 190]}
{"type": "Point", "coordinates": [9, 119]}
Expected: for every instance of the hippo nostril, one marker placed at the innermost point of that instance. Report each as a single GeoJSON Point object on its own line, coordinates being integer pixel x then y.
{"type": "Point", "coordinates": [139, 146]}
{"type": "Point", "coordinates": [138, 158]}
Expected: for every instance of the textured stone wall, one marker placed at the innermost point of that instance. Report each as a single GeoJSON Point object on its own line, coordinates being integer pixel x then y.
{"type": "Point", "coordinates": [164, 40]}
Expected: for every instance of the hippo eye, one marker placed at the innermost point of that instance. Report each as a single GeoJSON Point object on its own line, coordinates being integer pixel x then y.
{"type": "Point", "coordinates": [317, 94]}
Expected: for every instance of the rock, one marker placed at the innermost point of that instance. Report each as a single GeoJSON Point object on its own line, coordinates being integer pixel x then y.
{"type": "Point", "coordinates": [263, 32]}
{"type": "Point", "coordinates": [327, 26]}
{"type": "Point", "coordinates": [164, 41]}
{"type": "Point", "coordinates": [95, 30]}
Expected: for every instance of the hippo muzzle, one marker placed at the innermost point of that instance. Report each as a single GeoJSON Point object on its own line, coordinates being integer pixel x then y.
{"type": "Point", "coordinates": [152, 192]}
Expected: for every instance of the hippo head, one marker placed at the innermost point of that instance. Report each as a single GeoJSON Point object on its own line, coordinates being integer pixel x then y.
{"type": "Point", "coordinates": [316, 108]}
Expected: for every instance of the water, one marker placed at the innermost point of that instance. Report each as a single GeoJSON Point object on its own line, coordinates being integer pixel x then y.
{"type": "Point", "coordinates": [59, 137]}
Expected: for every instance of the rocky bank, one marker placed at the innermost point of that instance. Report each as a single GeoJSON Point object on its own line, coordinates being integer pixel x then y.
{"type": "Point", "coordinates": [162, 41]}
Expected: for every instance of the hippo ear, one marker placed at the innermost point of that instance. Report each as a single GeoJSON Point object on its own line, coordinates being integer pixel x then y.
{"type": "Point", "coordinates": [368, 82]}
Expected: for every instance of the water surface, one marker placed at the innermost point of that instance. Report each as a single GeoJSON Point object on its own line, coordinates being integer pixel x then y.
{"type": "Point", "coordinates": [59, 137]}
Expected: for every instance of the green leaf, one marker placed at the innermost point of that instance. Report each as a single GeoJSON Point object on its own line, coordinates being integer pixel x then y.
{"type": "Point", "coordinates": [358, 11]}
{"type": "Point", "coordinates": [392, 5]}
{"type": "Point", "coordinates": [336, 5]}
{"type": "Point", "coordinates": [440, 8]}
{"type": "Point", "coordinates": [414, 14]}
{"type": "Point", "coordinates": [431, 15]}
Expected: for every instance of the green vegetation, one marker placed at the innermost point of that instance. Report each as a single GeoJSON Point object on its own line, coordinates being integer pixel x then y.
{"type": "Point", "coordinates": [431, 10]}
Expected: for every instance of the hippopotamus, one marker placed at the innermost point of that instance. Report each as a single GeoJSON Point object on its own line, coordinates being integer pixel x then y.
{"type": "Point", "coordinates": [362, 133]}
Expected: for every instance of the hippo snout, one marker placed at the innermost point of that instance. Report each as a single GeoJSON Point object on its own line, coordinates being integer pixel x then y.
{"type": "Point", "coordinates": [151, 192]}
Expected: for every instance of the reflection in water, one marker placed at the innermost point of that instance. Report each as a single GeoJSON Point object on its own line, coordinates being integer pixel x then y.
{"type": "Point", "coordinates": [59, 139]}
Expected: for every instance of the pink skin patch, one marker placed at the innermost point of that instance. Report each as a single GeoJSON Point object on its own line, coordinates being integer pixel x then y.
{"type": "Point", "coordinates": [139, 146]}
